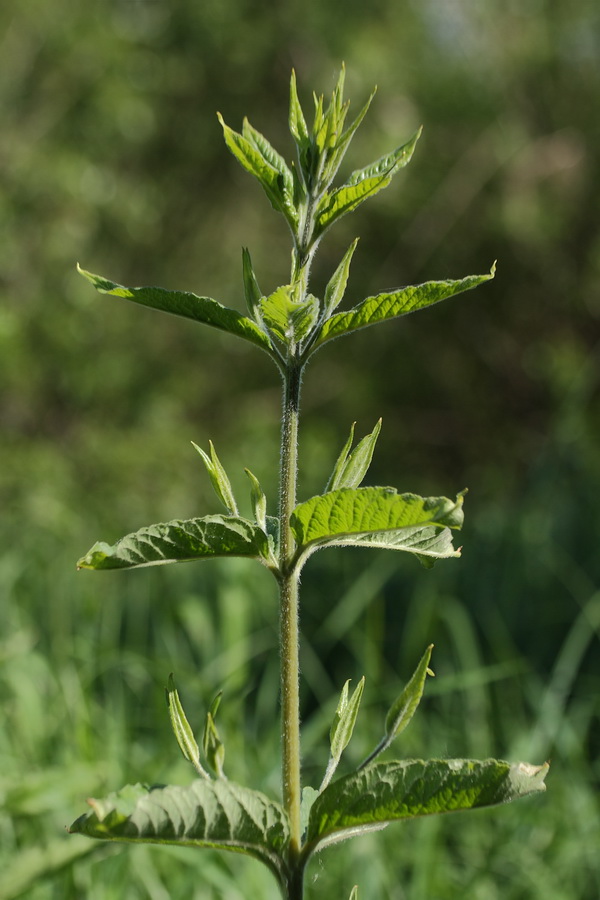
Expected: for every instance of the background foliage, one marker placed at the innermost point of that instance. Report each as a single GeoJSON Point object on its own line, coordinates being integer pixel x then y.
{"type": "Point", "coordinates": [112, 154]}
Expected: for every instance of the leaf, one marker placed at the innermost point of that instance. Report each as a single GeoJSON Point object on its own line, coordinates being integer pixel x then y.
{"type": "Point", "coordinates": [252, 291]}
{"type": "Point", "coordinates": [389, 164]}
{"type": "Point", "coordinates": [336, 287]}
{"type": "Point", "coordinates": [349, 471]}
{"type": "Point", "coordinates": [378, 517]}
{"type": "Point", "coordinates": [254, 161]}
{"type": "Point", "coordinates": [288, 319]}
{"type": "Point", "coordinates": [259, 501]}
{"type": "Point", "coordinates": [346, 198]}
{"type": "Point", "coordinates": [383, 307]}
{"type": "Point", "coordinates": [219, 479]}
{"type": "Point", "coordinates": [214, 751]}
{"type": "Point", "coordinates": [309, 795]}
{"type": "Point", "coordinates": [388, 792]}
{"type": "Point", "coordinates": [183, 303]}
{"type": "Point", "coordinates": [178, 541]}
{"type": "Point", "coordinates": [344, 142]}
{"type": "Point", "coordinates": [404, 708]}
{"type": "Point", "coordinates": [354, 893]}
{"type": "Point", "coordinates": [182, 729]}
{"type": "Point", "coordinates": [297, 121]}
{"type": "Point", "coordinates": [219, 814]}
{"type": "Point", "coordinates": [342, 727]}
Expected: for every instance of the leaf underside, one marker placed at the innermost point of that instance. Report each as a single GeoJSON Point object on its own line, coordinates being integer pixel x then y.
{"type": "Point", "coordinates": [179, 541]}
{"type": "Point", "coordinates": [219, 814]}
{"type": "Point", "coordinates": [188, 305]}
{"type": "Point", "coordinates": [390, 791]}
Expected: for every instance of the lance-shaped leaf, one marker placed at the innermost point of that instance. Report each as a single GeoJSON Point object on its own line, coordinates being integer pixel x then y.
{"type": "Point", "coordinates": [218, 814]}
{"type": "Point", "coordinates": [214, 751]}
{"type": "Point", "coordinates": [179, 541]}
{"type": "Point", "coordinates": [259, 501]}
{"type": "Point", "coordinates": [297, 122]}
{"type": "Point", "coordinates": [182, 729]}
{"type": "Point", "coordinates": [342, 726]}
{"type": "Point", "coordinates": [252, 291]}
{"type": "Point", "coordinates": [343, 142]}
{"type": "Point", "coordinates": [403, 708]}
{"type": "Point", "coordinates": [183, 303]}
{"type": "Point", "coordinates": [388, 792]}
{"type": "Point", "coordinates": [350, 470]}
{"type": "Point", "coordinates": [276, 184]}
{"type": "Point", "coordinates": [387, 165]}
{"type": "Point", "coordinates": [289, 319]}
{"type": "Point", "coordinates": [378, 517]}
{"type": "Point", "coordinates": [398, 303]}
{"type": "Point", "coordinates": [336, 287]}
{"type": "Point", "coordinates": [218, 478]}
{"type": "Point", "coordinates": [354, 893]}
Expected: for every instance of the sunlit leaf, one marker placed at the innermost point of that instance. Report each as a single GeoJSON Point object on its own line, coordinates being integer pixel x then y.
{"type": "Point", "coordinates": [336, 287]}
{"type": "Point", "coordinates": [350, 469]}
{"type": "Point", "coordinates": [342, 726]}
{"type": "Point", "coordinates": [382, 307]}
{"type": "Point", "coordinates": [289, 320]}
{"type": "Point", "coordinates": [183, 303]}
{"type": "Point", "coordinates": [219, 814]}
{"type": "Point", "coordinates": [182, 729]}
{"type": "Point", "coordinates": [297, 121]}
{"type": "Point", "coordinates": [388, 792]}
{"type": "Point", "coordinates": [179, 541]}
{"type": "Point", "coordinates": [218, 477]}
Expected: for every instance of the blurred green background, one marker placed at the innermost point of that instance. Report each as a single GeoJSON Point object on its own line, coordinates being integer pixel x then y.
{"type": "Point", "coordinates": [112, 155]}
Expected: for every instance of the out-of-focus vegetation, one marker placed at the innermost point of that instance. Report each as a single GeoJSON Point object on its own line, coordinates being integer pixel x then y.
{"type": "Point", "coordinates": [112, 155]}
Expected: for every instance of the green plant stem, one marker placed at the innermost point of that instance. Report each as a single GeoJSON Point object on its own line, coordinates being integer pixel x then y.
{"type": "Point", "coordinates": [289, 638]}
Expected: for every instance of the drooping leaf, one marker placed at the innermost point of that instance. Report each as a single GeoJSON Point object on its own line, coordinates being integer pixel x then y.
{"type": "Point", "coordinates": [219, 479]}
{"type": "Point", "coordinates": [378, 517]}
{"type": "Point", "coordinates": [259, 501]}
{"type": "Point", "coordinates": [178, 541]}
{"type": "Point", "coordinates": [289, 319]}
{"type": "Point", "coordinates": [388, 792]}
{"type": "Point", "coordinates": [182, 729]}
{"type": "Point", "coordinates": [252, 159]}
{"type": "Point", "coordinates": [219, 814]}
{"type": "Point", "coordinates": [342, 726]}
{"type": "Point", "coordinates": [350, 470]}
{"type": "Point", "coordinates": [398, 303]}
{"type": "Point", "coordinates": [183, 303]}
{"type": "Point", "coordinates": [336, 287]}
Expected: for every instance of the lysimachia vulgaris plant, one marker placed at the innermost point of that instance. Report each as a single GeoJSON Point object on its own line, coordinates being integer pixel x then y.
{"type": "Point", "coordinates": [290, 324]}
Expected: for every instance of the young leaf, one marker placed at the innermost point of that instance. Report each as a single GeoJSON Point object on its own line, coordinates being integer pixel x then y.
{"type": "Point", "coordinates": [341, 462]}
{"type": "Point", "coordinates": [274, 183]}
{"type": "Point", "coordinates": [182, 730]}
{"type": "Point", "coordinates": [181, 540]}
{"type": "Point", "coordinates": [378, 517]}
{"type": "Point", "coordinates": [354, 893]}
{"type": "Point", "coordinates": [388, 792]}
{"type": "Point", "coordinates": [336, 287]}
{"type": "Point", "coordinates": [289, 320]}
{"type": "Point", "coordinates": [342, 727]}
{"type": "Point", "coordinates": [349, 471]}
{"type": "Point", "coordinates": [343, 143]}
{"type": "Point", "coordinates": [383, 307]}
{"type": "Point", "coordinates": [252, 291]}
{"type": "Point", "coordinates": [218, 814]}
{"type": "Point", "coordinates": [182, 303]}
{"type": "Point", "coordinates": [309, 795]}
{"type": "Point", "coordinates": [259, 501]}
{"type": "Point", "coordinates": [346, 198]}
{"type": "Point", "coordinates": [219, 479]}
{"type": "Point", "coordinates": [297, 121]}
{"type": "Point", "coordinates": [387, 165]}
{"type": "Point", "coordinates": [214, 751]}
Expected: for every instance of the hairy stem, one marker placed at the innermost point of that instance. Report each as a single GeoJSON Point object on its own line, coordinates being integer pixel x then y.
{"type": "Point", "coordinates": [288, 581]}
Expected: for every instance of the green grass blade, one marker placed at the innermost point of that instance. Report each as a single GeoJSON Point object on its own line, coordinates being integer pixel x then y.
{"type": "Point", "coordinates": [179, 541]}
{"type": "Point", "coordinates": [383, 307]}
{"type": "Point", "coordinates": [218, 814]}
{"type": "Point", "coordinates": [186, 304]}
{"type": "Point", "coordinates": [388, 792]}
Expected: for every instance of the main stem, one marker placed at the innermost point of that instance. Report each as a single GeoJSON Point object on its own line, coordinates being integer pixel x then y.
{"type": "Point", "coordinates": [288, 631]}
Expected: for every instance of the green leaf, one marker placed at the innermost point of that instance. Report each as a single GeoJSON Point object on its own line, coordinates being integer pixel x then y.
{"type": "Point", "coordinates": [346, 198]}
{"type": "Point", "coordinates": [388, 792]}
{"type": "Point", "coordinates": [182, 303]}
{"type": "Point", "coordinates": [387, 165]}
{"type": "Point", "coordinates": [343, 143]}
{"type": "Point", "coordinates": [309, 795]}
{"type": "Point", "coordinates": [399, 303]}
{"type": "Point", "coordinates": [349, 471]}
{"type": "Point", "coordinates": [403, 709]}
{"type": "Point", "coordinates": [218, 478]}
{"type": "Point", "coordinates": [259, 501]}
{"type": "Point", "coordinates": [274, 182]}
{"type": "Point", "coordinates": [178, 541]}
{"type": "Point", "coordinates": [336, 287]}
{"type": "Point", "coordinates": [182, 729]}
{"type": "Point", "coordinates": [214, 751]}
{"type": "Point", "coordinates": [342, 726]}
{"type": "Point", "coordinates": [289, 320]}
{"type": "Point", "coordinates": [297, 121]}
{"type": "Point", "coordinates": [354, 893]}
{"type": "Point", "coordinates": [218, 814]}
{"type": "Point", "coordinates": [378, 517]}
{"type": "Point", "coordinates": [252, 291]}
